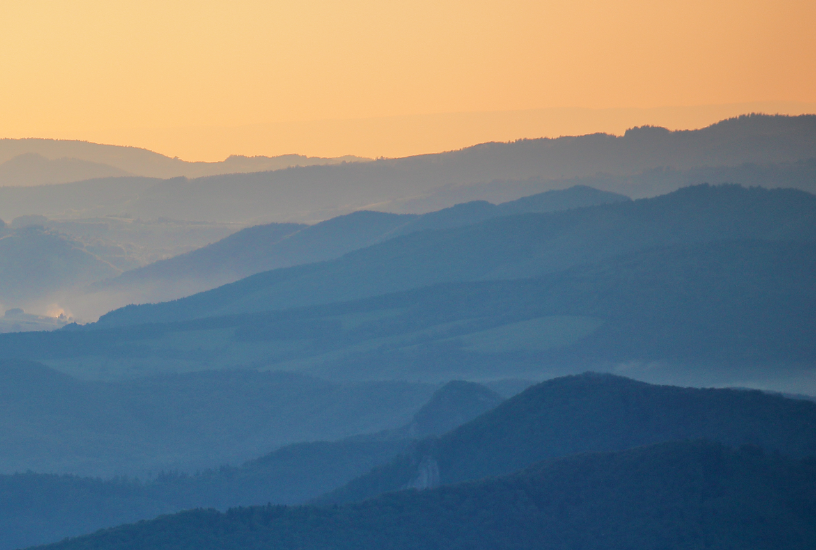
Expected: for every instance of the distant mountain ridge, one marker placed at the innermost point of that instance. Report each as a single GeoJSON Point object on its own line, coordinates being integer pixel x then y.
{"type": "Point", "coordinates": [727, 312]}
{"type": "Point", "coordinates": [709, 285]}
{"type": "Point", "coordinates": [800, 174]}
{"type": "Point", "coordinates": [314, 193]}
{"type": "Point", "coordinates": [26, 162]}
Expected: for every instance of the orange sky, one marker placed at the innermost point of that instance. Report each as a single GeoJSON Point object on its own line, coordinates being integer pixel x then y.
{"type": "Point", "coordinates": [203, 79]}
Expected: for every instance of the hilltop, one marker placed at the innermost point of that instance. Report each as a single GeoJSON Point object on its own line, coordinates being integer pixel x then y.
{"type": "Point", "coordinates": [591, 412]}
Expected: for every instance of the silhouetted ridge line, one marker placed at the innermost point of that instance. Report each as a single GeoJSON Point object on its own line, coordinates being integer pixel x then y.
{"type": "Point", "coordinates": [506, 248]}
{"type": "Point", "coordinates": [262, 248]}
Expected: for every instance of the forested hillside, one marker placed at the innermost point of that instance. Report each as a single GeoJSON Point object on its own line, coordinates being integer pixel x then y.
{"type": "Point", "coordinates": [673, 495]}
{"type": "Point", "coordinates": [553, 420]}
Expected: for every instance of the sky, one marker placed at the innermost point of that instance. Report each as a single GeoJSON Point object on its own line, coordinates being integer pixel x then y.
{"type": "Point", "coordinates": [205, 79]}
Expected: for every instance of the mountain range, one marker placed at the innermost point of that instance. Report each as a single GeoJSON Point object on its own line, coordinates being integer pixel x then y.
{"type": "Point", "coordinates": [41, 246]}
{"type": "Point", "coordinates": [590, 413]}
{"type": "Point", "coordinates": [607, 353]}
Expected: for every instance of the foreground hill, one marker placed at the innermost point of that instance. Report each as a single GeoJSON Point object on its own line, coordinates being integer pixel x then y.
{"type": "Point", "coordinates": [267, 247]}
{"type": "Point", "coordinates": [673, 495]}
{"type": "Point", "coordinates": [552, 420]}
{"type": "Point", "coordinates": [592, 412]}
{"type": "Point", "coordinates": [289, 475]}
{"type": "Point", "coordinates": [51, 422]}
{"type": "Point", "coordinates": [505, 248]}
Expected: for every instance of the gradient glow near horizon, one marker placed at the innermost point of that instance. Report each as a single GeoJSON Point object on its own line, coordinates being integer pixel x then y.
{"type": "Point", "coordinates": [174, 76]}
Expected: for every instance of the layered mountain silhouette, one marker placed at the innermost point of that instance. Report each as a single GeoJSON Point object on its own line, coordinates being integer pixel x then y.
{"type": "Point", "coordinates": [344, 358]}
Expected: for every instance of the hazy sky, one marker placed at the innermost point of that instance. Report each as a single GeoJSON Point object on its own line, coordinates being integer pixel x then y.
{"type": "Point", "coordinates": [183, 76]}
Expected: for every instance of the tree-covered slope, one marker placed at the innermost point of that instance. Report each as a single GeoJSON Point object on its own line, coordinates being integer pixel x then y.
{"type": "Point", "coordinates": [592, 412]}
{"type": "Point", "coordinates": [504, 248]}
{"type": "Point", "coordinates": [673, 495]}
